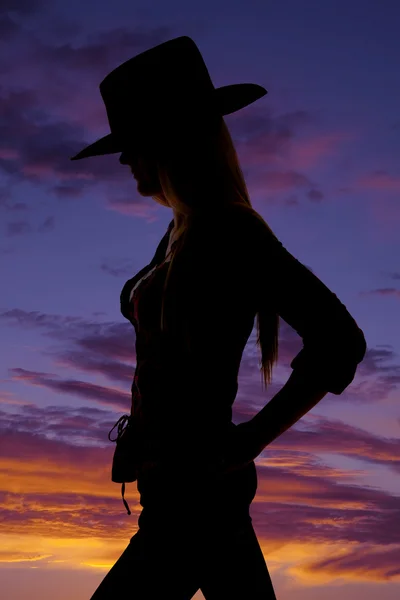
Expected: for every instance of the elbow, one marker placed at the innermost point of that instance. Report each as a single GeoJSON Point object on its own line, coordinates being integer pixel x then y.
{"type": "Point", "coordinates": [353, 346]}
{"type": "Point", "coordinates": [351, 355]}
{"type": "Point", "coordinates": [360, 346]}
{"type": "Point", "coordinates": [333, 364]}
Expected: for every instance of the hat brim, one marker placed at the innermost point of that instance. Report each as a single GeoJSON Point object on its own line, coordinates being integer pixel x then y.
{"type": "Point", "coordinates": [228, 99]}
{"type": "Point", "coordinates": [105, 145]}
{"type": "Point", "coordinates": [234, 97]}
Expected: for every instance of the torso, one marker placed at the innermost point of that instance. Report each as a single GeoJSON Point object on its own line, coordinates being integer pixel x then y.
{"type": "Point", "coordinates": [170, 396]}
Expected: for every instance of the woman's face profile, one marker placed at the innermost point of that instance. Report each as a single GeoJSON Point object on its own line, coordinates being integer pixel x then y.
{"type": "Point", "coordinates": [144, 170]}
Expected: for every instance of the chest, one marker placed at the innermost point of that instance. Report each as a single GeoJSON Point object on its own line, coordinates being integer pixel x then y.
{"type": "Point", "coordinates": [145, 298]}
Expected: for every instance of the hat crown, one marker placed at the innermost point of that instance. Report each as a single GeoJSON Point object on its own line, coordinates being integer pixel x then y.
{"type": "Point", "coordinates": [173, 71]}
{"type": "Point", "coordinates": [165, 82]}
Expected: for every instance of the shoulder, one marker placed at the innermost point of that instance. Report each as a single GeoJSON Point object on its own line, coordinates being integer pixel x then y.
{"type": "Point", "coordinates": [245, 221]}
{"type": "Point", "coordinates": [244, 231]}
{"type": "Point", "coordinates": [236, 236]}
{"type": "Point", "coordinates": [237, 220]}
{"type": "Point", "coordinates": [234, 242]}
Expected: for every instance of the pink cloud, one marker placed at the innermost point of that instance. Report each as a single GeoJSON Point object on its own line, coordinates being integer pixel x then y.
{"type": "Point", "coordinates": [382, 292]}
{"type": "Point", "coordinates": [308, 153]}
{"type": "Point", "coordinates": [379, 180]}
{"type": "Point", "coordinates": [8, 153]}
{"type": "Point", "coordinates": [381, 202]}
{"type": "Point", "coordinates": [278, 180]}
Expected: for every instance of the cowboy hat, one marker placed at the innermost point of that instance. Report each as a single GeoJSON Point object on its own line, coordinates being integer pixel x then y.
{"type": "Point", "coordinates": [159, 85]}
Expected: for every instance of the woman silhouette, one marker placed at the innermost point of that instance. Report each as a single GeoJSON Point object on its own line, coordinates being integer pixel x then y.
{"type": "Point", "coordinates": [193, 307]}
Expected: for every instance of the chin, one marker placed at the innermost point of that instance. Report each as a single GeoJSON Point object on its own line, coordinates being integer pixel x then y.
{"type": "Point", "coordinates": [145, 190]}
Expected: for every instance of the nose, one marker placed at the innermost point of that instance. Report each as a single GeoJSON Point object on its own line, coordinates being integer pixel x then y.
{"type": "Point", "coordinates": [131, 159]}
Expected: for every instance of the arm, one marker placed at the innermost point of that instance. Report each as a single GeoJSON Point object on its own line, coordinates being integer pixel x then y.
{"type": "Point", "coordinates": [333, 344]}
{"type": "Point", "coordinates": [295, 399]}
{"type": "Point", "coordinates": [298, 396]}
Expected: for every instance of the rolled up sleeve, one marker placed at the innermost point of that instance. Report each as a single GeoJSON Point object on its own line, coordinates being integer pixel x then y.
{"type": "Point", "coordinates": [333, 344]}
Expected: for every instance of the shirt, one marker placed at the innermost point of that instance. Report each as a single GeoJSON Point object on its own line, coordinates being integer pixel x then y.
{"type": "Point", "coordinates": [183, 399]}
{"type": "Point", "coordinates": [162, 390]}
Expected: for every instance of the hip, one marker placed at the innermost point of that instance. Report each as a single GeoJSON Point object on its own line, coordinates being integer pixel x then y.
{"type": "Point", "coordinates": [197, 486]}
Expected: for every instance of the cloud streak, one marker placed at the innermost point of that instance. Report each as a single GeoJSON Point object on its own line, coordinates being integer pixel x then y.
{"type": "Point", "coordinates": [62, 490]}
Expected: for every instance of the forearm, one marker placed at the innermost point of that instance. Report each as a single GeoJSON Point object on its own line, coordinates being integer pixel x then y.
{"type": "Point", "coordinates": [296, 398]}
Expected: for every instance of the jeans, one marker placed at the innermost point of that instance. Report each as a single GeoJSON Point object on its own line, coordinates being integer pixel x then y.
{"type": "Point", "coordinates": [177, 551]}
{"type": "Point", "coordinates": [174, 563]}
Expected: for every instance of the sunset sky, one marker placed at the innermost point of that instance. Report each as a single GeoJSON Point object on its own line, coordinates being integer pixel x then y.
{"type": "Point", "coordinates": [320, 154]}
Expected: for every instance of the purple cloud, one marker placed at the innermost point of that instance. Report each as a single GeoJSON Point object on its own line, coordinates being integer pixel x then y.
{"type": "Point", "coordinates": [77, 388]}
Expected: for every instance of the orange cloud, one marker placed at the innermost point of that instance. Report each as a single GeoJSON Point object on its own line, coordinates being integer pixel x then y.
{"type": "Point", "coordinates": [58, 499]}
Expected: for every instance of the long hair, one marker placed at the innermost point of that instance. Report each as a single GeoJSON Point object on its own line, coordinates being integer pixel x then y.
{"type": "Point", "coordinates": [199, 172]}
